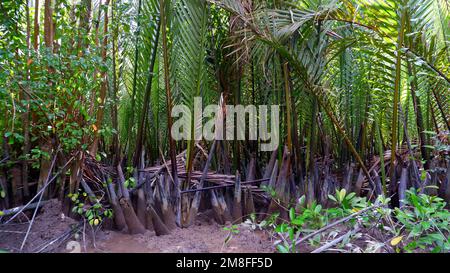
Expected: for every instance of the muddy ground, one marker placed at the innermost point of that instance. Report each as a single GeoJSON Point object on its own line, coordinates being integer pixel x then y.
{"type": "Point", "coordinates": [53, 232]}
{"type": "Point", "coordinates": [49, 225]}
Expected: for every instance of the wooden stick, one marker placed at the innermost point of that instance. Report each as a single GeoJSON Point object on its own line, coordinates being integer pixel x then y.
{"type": "Point", "coordinates": [119, 218]}
{"type": "Point", "coordinates": [224, 207]}
{"type": "Point", "coordinates": [39, 201]}
{"type": "Point", "coordinates": [151, 176]}
{"type": "Point", "coordinates": [336, 241]}
{"type": "Point", "coordinates": [336, 223]}
{"type": "Point", "coordinates": [217, 209]}
{"type": "Point", "coordinates": [271, 164]}
{"type": "Point", "coordinates": [237, 206]}
{"type": "Point", "coordinates": [249, 203]}
{"type": "Point", "coordinates": [21, 208]}
{"type": "Point", "coordinates": [133, 223]}
{"type": "Point", "coordinates": [141, 209]}
{"type": "Point", "coordinates": [168, 215]}
{"type": "Point", "coordinates": [197, 198]}
{"type": "Point", "coordinates": [273, 176]}
{"type": "Point", "coordinates": [158, 225]}
{"type": "Point", "coordinates": [223, 186]}
{"type": "Point", "coordinates": [359, 182]}
{"type": "Point", "coordinates": [402, 186]}
{"type": "Point", "coordinates": [88, 190]}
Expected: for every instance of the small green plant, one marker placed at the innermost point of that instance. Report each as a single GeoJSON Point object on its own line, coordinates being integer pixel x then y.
{"type": "Point", "coordinates": [95, 213]}
{"type": "Point", "coordinates": [307, 218]}
{"type": "Point", "coordinates": [232, 230]}
{"type": "Point", "coordinates": [269, 190]}
{"type": "Point", "coordinates": [425, 222]}
{"type": "Point", "coordinates": [348, 201]}
{"type": "Point", "coordinates": [265, 224]}
{"type": "Point", "coordinates": [422, 223]}
{"type": "Point", "coordinates": [14, 138]}
{"type": "Point", "coordinates": [288, 235]}
{"type": "Point", "coordinates": [346, 204]}
{"type": "Point", "coordinates": [302, 219]}
{"type": "Point", "coordinates": [130, 183]}
{"type": "Point", "coordinates": [38, 154]}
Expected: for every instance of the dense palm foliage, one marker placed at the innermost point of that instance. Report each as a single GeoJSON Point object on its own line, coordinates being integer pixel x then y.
{"type": "Point", "coordinates": [356, 80]}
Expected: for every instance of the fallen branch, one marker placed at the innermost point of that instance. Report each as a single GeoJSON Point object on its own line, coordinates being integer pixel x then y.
{"type": "Point", "coordinates": [151, 176]}
{"type": "Point", "coordinates": [196, 201]}
{"type": "Point", "coordinates": [223, 186]}
{"type": "Point", "coordinates": [65, 235]}
{"type": "Point", "coordinates": [21, 208]}
{"type": "Point", "coordinates": [336, 241]}
{"type": "Point", "coordinates": [88, 190]}
{"type": "Point", "coordinates": [40, 199]}
{"type": "Point", "coordinates": [4, 159]}
{"type": "Point", "coordinates": [345, 219]}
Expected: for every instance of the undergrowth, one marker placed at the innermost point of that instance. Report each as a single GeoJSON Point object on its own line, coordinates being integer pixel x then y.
{"type": "Point", "coordinates": [420, 225]}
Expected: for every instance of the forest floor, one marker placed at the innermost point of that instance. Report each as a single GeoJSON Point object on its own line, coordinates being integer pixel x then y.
{"type": "Point", "coordinates": [197, 239]}
{"type": "Point", "coordinates": [48, 225]}
{"type": "Point", "coordinates": [205, 236]}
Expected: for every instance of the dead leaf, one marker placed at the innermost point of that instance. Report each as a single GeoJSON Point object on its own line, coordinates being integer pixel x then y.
{"type": "Point", "coordinates": [396, 240]}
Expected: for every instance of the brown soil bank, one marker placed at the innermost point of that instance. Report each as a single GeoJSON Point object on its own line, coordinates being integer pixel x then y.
{"type": "Point", "coordinates": [51, 232]}
{"type": "Point", "coordinates": [205, 238]}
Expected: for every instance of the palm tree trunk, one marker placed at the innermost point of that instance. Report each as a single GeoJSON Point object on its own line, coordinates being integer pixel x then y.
{"type": "Point", "coordinates": [146, 104]}
{"type": "Point", "coordinates": [418, 113]}
{"type": "Point", "coordinates": [135, 69]}
{"type": "Point", "coordinates": [26, 113]}
{"type": "Point", "coordinates": [398, 71]}
{"type": "Point", "coordinates": [114, 110]}
{"type": "Point", "coordinates": [103, 87]}
{"type": "Point", "coordinates": [172, 152]}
